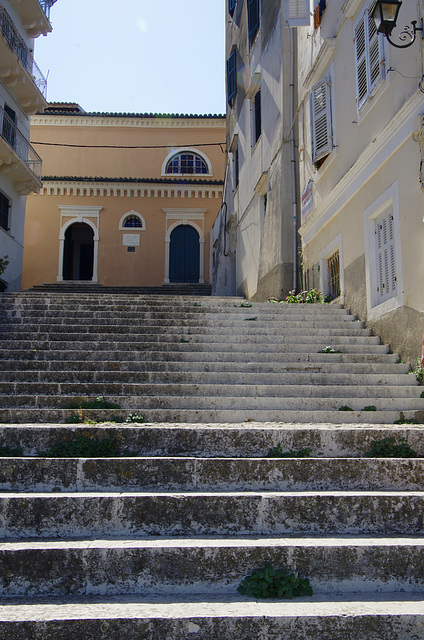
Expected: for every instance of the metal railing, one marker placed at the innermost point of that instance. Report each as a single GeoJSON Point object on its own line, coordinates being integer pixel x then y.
{"type": "Point", "coordinates": [18, 46]}
{"type": "Point", "coordinates": [20, 145]}
{"type": "Point", "coordinates": [46, 6]}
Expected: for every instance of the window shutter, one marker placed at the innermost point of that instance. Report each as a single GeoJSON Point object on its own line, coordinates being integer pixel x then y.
{"type": "Point", "coordinates": [231, 76]}
{"type": "Point", "coordinates": [368, 57]}
{"type": "Point", "coordinates": [386, 259]}
{"type": "Point", "coordinates": [297, 13]}
{"type": "Point", "coordinates": [322, 133]}
{"type": "Point", "coordinates": [375, 53]}
{"type": "Point", "coordinates": [253, 16]}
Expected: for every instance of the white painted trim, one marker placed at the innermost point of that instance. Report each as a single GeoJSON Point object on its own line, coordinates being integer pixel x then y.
{"type": "Point", "coordinates": [178, 150]}
{"type": "Point", "coordinates": [136, 122]}
{"type": "Point", "coordinates": [184, 218]}
{"type": "Point", "coordinates": [387, 200]}
{"type": "Point", "coordinates": [135, 214]}
{"type": "Point", "coordinates": [130, 190]}
{"type": "Point", "coordinates": [324, 254]}
{"type": "Point", "coordinates": [79, 214]}
{"type": "Point", "coordinates": [368, 164]}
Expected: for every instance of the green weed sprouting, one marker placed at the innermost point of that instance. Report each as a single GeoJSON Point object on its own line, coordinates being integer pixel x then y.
{"type": "Point", "coordinates": [272, 583]}
{"type": "Point", "coordinates": [391, 448]}
{"type": "Point", "coordinates": [277, 452]}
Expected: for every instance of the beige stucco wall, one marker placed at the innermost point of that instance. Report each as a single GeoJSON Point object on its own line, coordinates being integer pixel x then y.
{"type": "Point", "coordinates": [115, 182]}
{"type": "Point", "coordinates": [376, 161]}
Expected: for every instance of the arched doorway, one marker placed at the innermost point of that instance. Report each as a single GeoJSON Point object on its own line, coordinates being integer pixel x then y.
{"type": "Point", "coordinates": [184, 254]}
{"type": "Point", "coordinates": [78, 252]}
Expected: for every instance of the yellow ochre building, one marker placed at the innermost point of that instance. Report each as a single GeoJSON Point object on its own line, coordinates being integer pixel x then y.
{"type": "Point", "coordinates": [127, 199]}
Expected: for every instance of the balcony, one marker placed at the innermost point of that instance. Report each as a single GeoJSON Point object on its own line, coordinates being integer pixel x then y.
{"type": "Point", "coordinates": [35, 16]}
{"type": "Point", "coordinates": [18, 69]}
{"type": "Point", "coordinates": [17, 157]}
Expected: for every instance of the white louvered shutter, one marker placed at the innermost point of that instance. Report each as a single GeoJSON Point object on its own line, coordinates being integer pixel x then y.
{"type": "Point", "coordinates": [368, 57]}
{"type": "Point", "coordinates": [386, 259]}
{"type": "Point", "coordinates": [297, 13]}
{"type": "Point", "coordinates": [322, 134]}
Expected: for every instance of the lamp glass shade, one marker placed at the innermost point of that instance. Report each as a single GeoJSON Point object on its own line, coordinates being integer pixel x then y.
{"type": "Point", "coordinates": [385, 15]}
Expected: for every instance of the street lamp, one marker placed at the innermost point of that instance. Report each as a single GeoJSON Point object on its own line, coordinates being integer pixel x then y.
{"type": "Point", "coordinates": [385, 15]}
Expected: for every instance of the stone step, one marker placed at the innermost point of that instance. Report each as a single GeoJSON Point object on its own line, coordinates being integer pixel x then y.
{"type": "Point", "coordinates": [208, 566]}
{"type": "Point", "coordinates": [24, 414]}
{"type": "Point", "coordinates": [296, 395]}
{"type": "Point", "coordinates": [184, 319]}
{"type": "Point", "coordinates": [395, 616]}
{"type": "Point", "coordinates": [206, 346]}
{"type": "Point", "coordinates": [276, 514]}
{"type": "Point", "coordinates": [221, 379]}
{"type": "Point", "coordinates": [198, 397]}
{"type": "Point", "coordinates": [314, 340]}
{"type": "Point", "coordinates": [233, 331]}
{"type": "Point", "coordinates": [247, 440]}
{"type": "Point", "coordinates": [287, 365]}
{"type": "Point", "coordinates": [214, 359]}
{"type": "Point", "coordinates": [211, 474]}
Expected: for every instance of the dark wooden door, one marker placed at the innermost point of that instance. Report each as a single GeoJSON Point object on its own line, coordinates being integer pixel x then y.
{"type": "Point", "coordinates": [184, 255]}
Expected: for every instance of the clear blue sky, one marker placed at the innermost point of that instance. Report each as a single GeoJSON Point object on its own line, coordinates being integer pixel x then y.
{"type": "Point", "coordinates": [162, 56]}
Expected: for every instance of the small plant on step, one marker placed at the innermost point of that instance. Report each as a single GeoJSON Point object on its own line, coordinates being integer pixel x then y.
{"type": "Point", "coordinates": [184, 341]}
{"type": "Point", "coordinates": [8, 452]}
{"type": "Point", "coordinates": [370, 407]}
{"type": "Point", "coordinates": [305, 297]}
{"type": "Point", "coordinates": [273, 583]}
{"type": "Point", "coordinates": [83, 447]}
{"type": "Point", "coordinates": [277, 452]}
{"type": "Point", "coordinates": [328, 349]}
{"type": "Point", "coordinates": [98, 403]}
{"type": "Point", "coordinates": [3, 264]}
{"type": "Point", "coordinates": [345, 407]}
{"type": "Point", "coordinates": [391, 448]}
{"type": "Point", "coordinates": [418, 371]}
{"type": "Point", "coordinates": [245, 305]}
{"type": "Point", "coordinates": [251, 319]}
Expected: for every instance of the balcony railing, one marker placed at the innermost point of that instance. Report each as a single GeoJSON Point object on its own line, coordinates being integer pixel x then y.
{"type": "Point", "coordinates": [18, 46]}
{"type": "Point", "coordinates": [46, 6]}
{"type": "Point", "coordinates": [20, 145]}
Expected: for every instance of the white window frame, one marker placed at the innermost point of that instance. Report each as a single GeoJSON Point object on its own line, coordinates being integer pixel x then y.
{"type": "Point", "coordinates": [387, 203]}
{"type": "Point", "coordinates": [363, 62]}
{"type": "Point", "coordinates": [132, 214]}
{"type": "Point", "coordinates": [324, 89]}
{"type": "Point", "coordinates": [179, 150]}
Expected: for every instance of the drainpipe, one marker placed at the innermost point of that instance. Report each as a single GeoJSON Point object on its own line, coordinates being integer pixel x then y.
{"type": "Point", "coordinates": [293, 157]}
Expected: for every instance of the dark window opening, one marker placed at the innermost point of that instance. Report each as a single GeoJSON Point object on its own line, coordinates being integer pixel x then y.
{"type": "Point", "coordinates": [253, 17]}
{"type": "Point", "coordinates": [258, 117]}
{"type": "Point", "coordinates": [231, 6]}
{"type": "Point", "coordinates": [4, 212]}
{"type": "Point", "coordinates": [232, 76]}
{"type": "Point", "coordinates": [334, 275]}
{"type": "Point", "coordinates": [187, 163]}
{"type": "Point", "coordinates": [9, 127]}
{"type": "Point", "coordinates": [236, 168]}
{"type": "Point", "coordinates": [133, 222]}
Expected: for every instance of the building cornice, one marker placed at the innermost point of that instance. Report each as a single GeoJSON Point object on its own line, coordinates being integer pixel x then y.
{"type": "Point", "coordinates": [376, 154]}
{"type": "Point", "coordinates": [136, 121]}
{"type": "Point", "coordinates": [131, 188]}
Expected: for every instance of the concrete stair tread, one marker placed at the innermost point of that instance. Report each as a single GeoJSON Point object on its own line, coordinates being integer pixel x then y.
{"type": "Point", "coordinates": [216, 543]}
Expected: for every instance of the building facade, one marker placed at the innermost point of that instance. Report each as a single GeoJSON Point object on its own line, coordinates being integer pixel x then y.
{"type": "Point", "coordinates": [255, 235]}
{"type": "Point", "coordinates": [127, 199]}
{"type": "Point", "coordinates": [361, 114]}
{"type": "Point", "coordinates": [22, 93]}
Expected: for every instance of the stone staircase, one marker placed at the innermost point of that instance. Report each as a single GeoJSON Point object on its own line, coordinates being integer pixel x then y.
{"type": "Point", "coordinates": [187, 359]}
{"type": "Point", "coordinates": [154, 546]}
{"type": "Point", "coordinates": [153, 542]}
